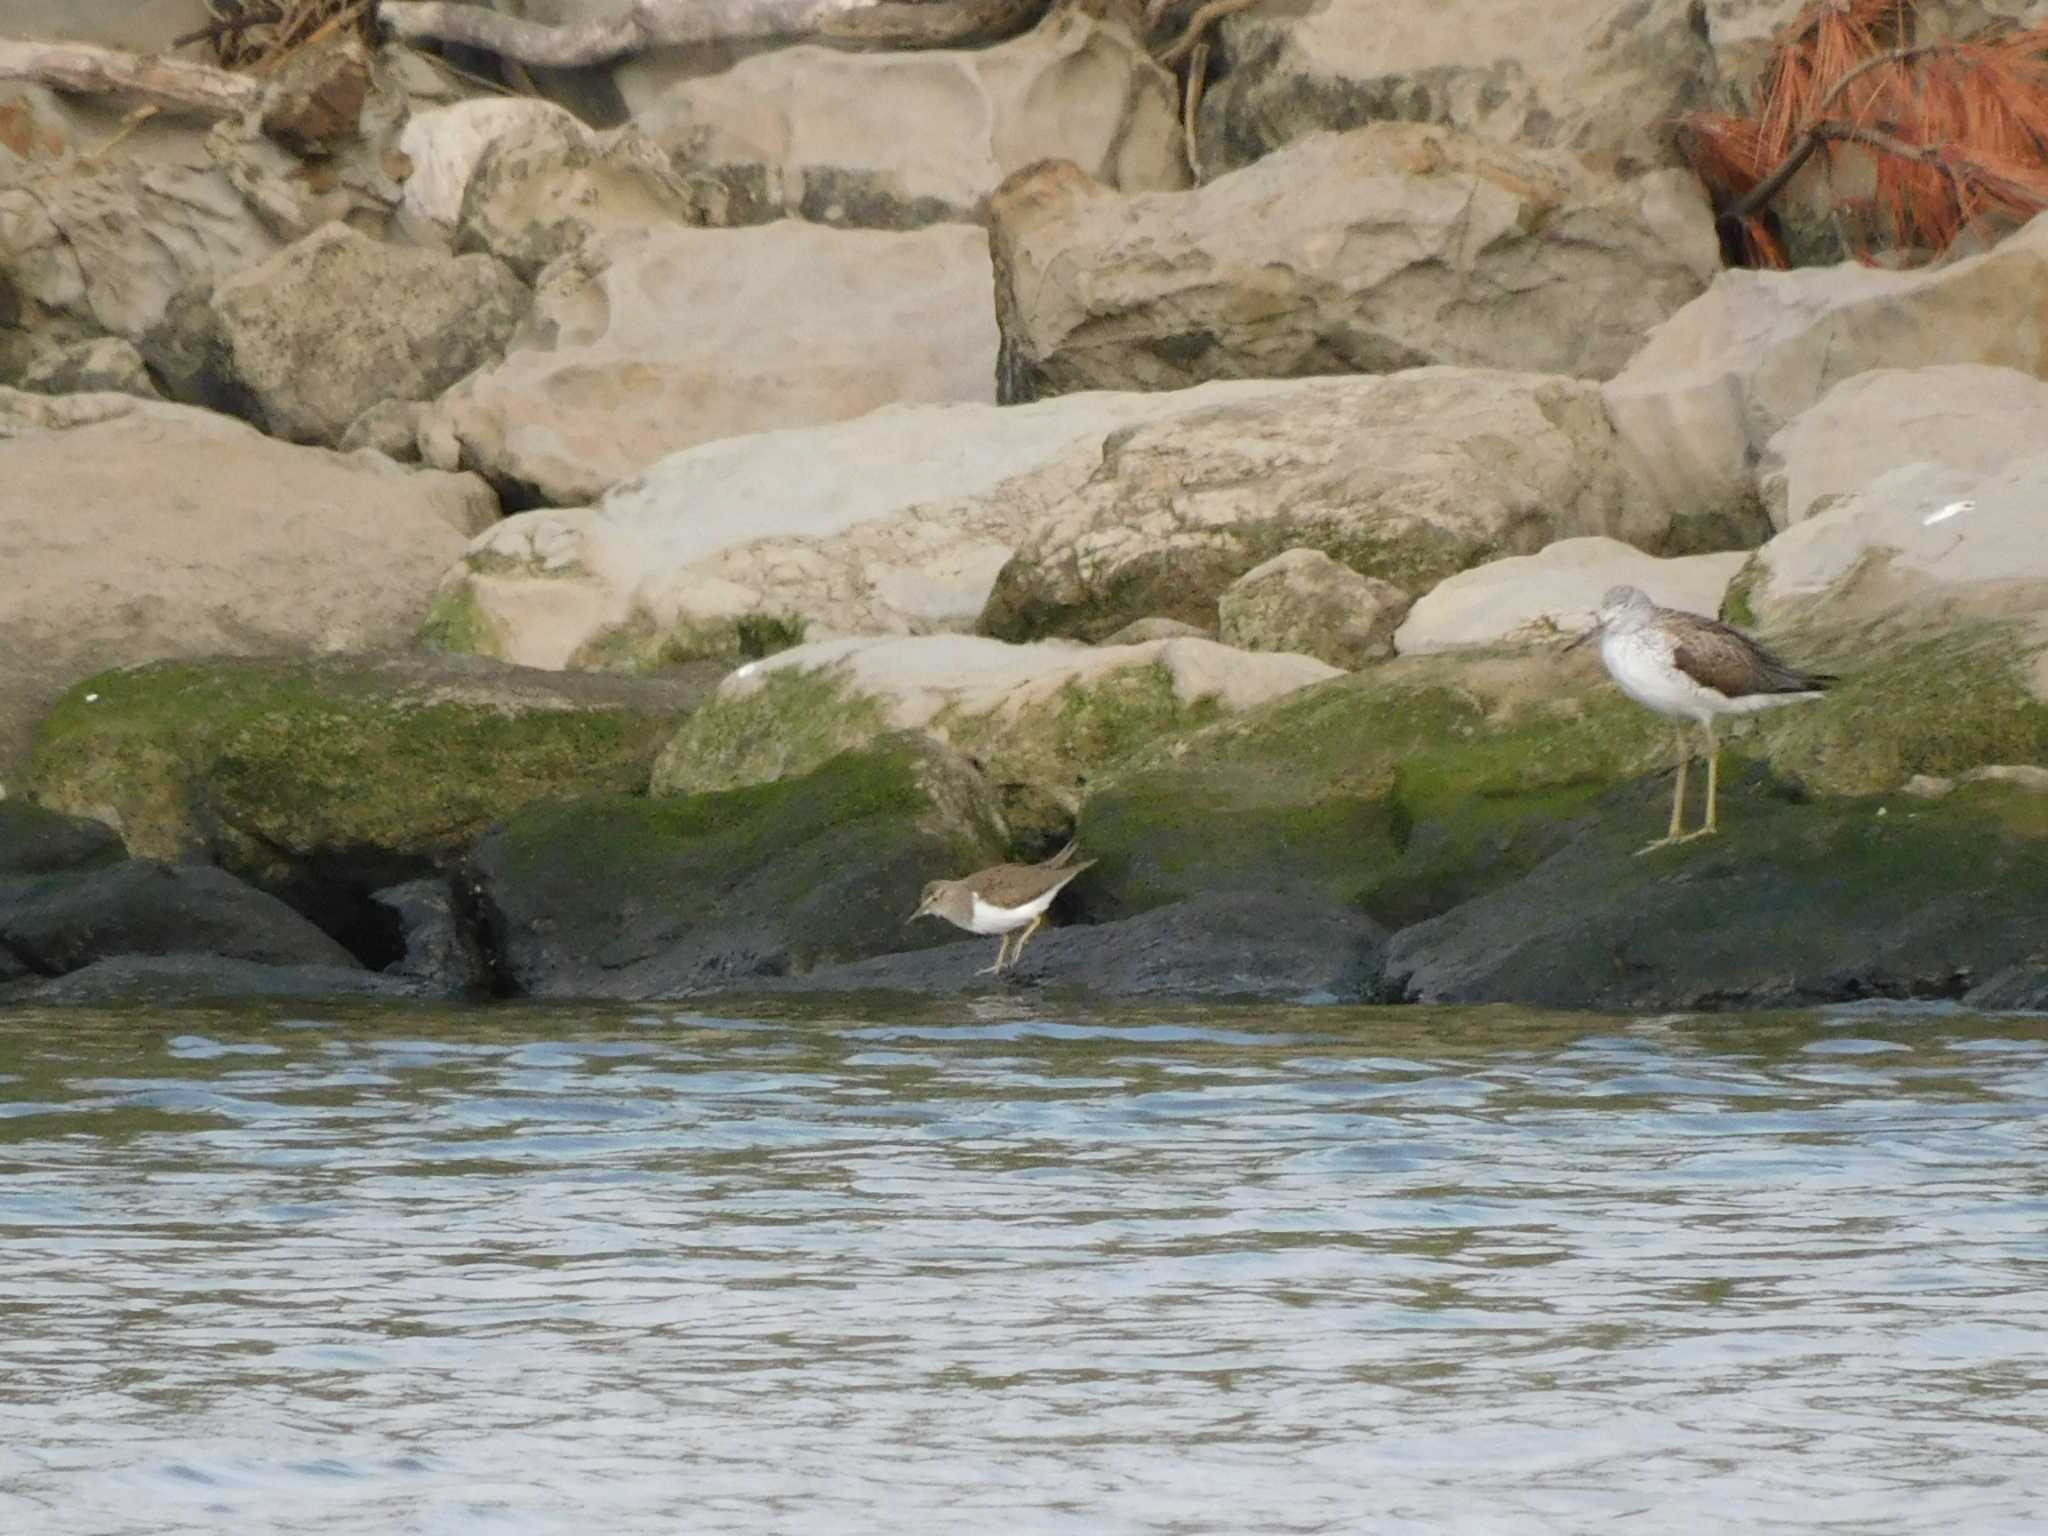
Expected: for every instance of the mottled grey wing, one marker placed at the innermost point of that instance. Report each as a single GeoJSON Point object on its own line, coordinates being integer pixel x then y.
{"type": "Point", "coordinates": [1011, 885]}
{"type": "Point", "coordinates": [1717, 657]}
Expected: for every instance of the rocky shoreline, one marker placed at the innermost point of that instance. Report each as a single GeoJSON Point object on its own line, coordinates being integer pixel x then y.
{"type": "Point", "coordinates": [622, 546]}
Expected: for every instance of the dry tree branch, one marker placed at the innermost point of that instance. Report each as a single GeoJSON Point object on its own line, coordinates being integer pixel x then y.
{"type": "Point", "coordinates": [1811, 136]}
{"type": "Point", "coordinates": [1199, 23]}
{"type": "Point", "coordinates": [1191, 103]}
{"type": "Point", "coordinates": [171, 85]}
{"type": "Point", "coordinates": [645, 24]}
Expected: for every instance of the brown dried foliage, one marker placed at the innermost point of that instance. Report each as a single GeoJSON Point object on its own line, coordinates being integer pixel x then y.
{"type": "Point", "coordinates": [259, 35]}
{"type": "Point", "coordinates": [1957, 130]}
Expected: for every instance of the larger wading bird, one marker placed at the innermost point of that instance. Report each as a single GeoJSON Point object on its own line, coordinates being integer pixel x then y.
{"type": "Point", "coordinates": [1692, 668]}
{"type": "Point", "coordinates": [1001, 899]}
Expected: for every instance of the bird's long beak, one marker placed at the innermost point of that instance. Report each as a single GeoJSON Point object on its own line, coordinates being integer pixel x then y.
{"type": "Point", "coordinates": [1584, 637]}
{"type": "Point", "coordinates": [913, 917]}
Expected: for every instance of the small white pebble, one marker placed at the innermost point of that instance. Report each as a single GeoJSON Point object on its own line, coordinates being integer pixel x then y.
{"type": "Point", "coordinates": [1953, 509]}
{"type": "Point", "coordinates": [92, 698]}
{"type": "Point", "coordinates": [747, 670]}
{"type": "Point", "coordinates": [1882, 809]}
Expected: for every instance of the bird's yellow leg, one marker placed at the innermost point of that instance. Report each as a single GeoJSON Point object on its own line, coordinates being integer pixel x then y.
{"type": "Point", "coordinates": [1018, 954]}
{"type": "Point", "coordinates": [1002, 953]}
{"type": "Point", "coordinates": [1712, 824]}
{"type": "Point", "coordinates": [1677, 800]}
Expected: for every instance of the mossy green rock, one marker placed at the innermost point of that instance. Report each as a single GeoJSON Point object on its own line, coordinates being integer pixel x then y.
{"type": "Point", "coordinates": [1794, 903]}
{"type": "Point", "coordinates": [1415, 786]}
{"type": "Point", "coordinates": [629, 896]}
{"type": "Point", "coordinates": [390, 763]}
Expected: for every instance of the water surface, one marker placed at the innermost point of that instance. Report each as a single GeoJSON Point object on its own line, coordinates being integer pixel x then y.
{"type": "Point", "coordinates": [976, 1270]}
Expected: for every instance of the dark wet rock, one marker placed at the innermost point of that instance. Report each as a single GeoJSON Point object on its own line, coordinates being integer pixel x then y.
{"type": "Point", "coordinates": [180, 978]}
{"type": "Point", "coordinates": [1795, 903]}
{"type": "Point", "coordinates": [38, 841]}
{"type": "Point", "coordinates": [438, 945]}
{"type": "Point", "coordinates": [1230, 946]}
{"type": "Point", "coordinates": [630, 896]}
{"type": "Point", "coordinates": [63, 922]}
{"type": "Point", "coordinates": [2022, 988]}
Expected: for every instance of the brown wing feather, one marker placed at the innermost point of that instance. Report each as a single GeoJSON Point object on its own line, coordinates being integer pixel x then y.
{"type": "Point", "coordinates": [1733, 665]}
{"type": "Point", "coordinates": [1012, 885]}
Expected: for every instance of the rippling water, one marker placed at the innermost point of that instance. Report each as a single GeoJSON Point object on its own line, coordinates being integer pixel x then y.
{"type": "Point", "coordinates": [974, 1270]}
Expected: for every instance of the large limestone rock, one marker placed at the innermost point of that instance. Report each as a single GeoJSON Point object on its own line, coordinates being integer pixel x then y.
{"type": "Point", "coordinates": [444, 145]}
{"type": "Point", "coordinates": [337, 323]}
{"type": "Point", "coordinates": [539, 186]}
{"type": "Point", "coordinates": [1965, 415]}
{"type": "Point", "coordinates": [88, 254]}
{"type": "Point", "coordinates": [1575, 75]}
{"type": "Point", "coordinates": [135, 531]}
{"type": "Point", "coordinates": [1556, 592]}
{"type": "Point", "coordinates": [1699, 405]}
{"type": "Point", "coordinates": [1973, 542]}
{"type": "Point", "coordinates": [894, 522]}
{"type": "Point", "coordinates": [1390, 247]}
{"type": "Point", "coordinates": [1407, 478]}
{"type": "Point", "coordinates": [1304, 601]}
{"type": "Point", "coordinates": [899, 140]}
{"type": "Point", "coordinates": [910, 520]}
{"type": "Point", "coordinates": [631, 896]}
{"type": "Point", "coordinates": [685, 335]}
{"type": "Point", "coordinates": [1043, 714]}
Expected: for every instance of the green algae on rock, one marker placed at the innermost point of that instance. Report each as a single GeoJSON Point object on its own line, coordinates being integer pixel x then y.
{"type": "Point", "coordinates": [390, 761]}
{"type": "Point", "coordinates": [622, 895]}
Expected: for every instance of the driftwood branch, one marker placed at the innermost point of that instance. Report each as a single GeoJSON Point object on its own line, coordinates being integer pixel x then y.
{"type": "Point", "coordinates": [1818, 129]}
{"type": "Point", "coordinates": [170, 85]}
{"type": "Point", "coordinates": [644, 24]}
{"type": "Point", "coordinates": [1199, 23]}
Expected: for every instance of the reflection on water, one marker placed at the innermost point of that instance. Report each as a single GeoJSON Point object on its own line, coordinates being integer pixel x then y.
{"type": "Point", "coordinates": [974, 1271]}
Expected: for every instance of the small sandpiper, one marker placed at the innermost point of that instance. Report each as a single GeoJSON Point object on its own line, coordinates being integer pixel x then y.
{"type": "Point", "coordinates": [1696, 668]}
{"type": "Point", "coordinates": [1002, 899]}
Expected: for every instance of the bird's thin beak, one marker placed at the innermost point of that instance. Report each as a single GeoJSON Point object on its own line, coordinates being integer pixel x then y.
{"type": "Point", "coordinates": [913, 917]}
{"type": "Point", "coordinates": [1584, 637]}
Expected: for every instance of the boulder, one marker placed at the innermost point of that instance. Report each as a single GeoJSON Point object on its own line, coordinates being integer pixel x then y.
{"type": "Point", "coordinates": [2019, 988]}
{"type": "Point", "coordinates": [893, 522]}
{"type": "Point", "coordinates": [1394, 246]}
{"type": "Point", "coordinates": [443, 146]}
{"type": "Point", "coordinates": [1302, 600]}
{"type": "Point", "coordinates": [62, 922]}
{"type": "Point", "coordinates": [86, 254]}
{"type": "Point", "coordinates": [184, 533]}
{"type": "Point", "coordinates": [902, 139]}
{"type": "Point", "coordinates": [1043, 714]}
{"type": "Point", "coordinates": [326, 780]}
{"type": "Point", "coordinates": [1794, 904]}
{"type": "Point", "coordinates": [184, 979]}
{"type": "Point", "coordinates": [338, 323]}
{"type": "Point", "coordinates": [1556, 592]}
{"type": "Point", "coordinates": [542, 187]}
{"type": "Point", "coordinates": [1072, 516]}
{"type": "Point", "coordinates": [1235, 947]}
{"type": "Point", "coordinates": [1138, 631]}
{"type": "Point", "coordinates": [1964, 415]}
{"type": "Point", "coordinates": [106, 366]}
{"type": "Point", "coordinates": [1406, 478]}
{"type": "Point", "coordinates": [1423, 782]}
{"type": "Point", "coordinates": [438, 945]}
{"type": "Point", "coordinates": [1971, 540]}
{"type": "Point", "coordinates": [1568, 74]}
{"type": "Point", "coordinates": [670, 337]}
{"type": "Point", "coordinates": [629, 896]}
{"type": "Point", "coordinates": [1698, 406]}
{"type": "Point", "coordinates": [35, 840]}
